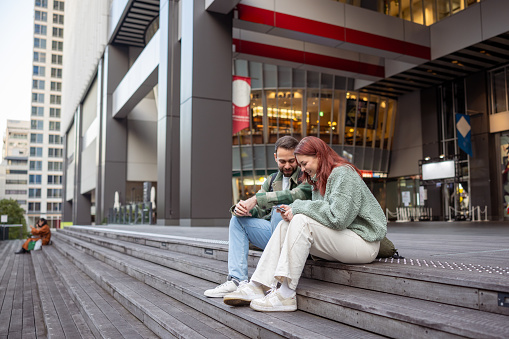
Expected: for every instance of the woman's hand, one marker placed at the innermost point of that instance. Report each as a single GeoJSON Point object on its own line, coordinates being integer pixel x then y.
{"type": "Point", "coordinates": [286, 212]}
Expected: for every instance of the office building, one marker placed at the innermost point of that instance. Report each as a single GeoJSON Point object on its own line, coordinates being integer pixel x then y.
{"type": "Point", "coordinates": [14, 164]}
{"type": "Point", "coordinates": [149, 100]}
{"type": "Point", "coordinates": [46, 149]}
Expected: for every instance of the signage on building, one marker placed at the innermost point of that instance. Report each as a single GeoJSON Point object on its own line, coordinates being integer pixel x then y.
{"type": "Point", "coordinates": [241, 99]}
{"type": "Point", "coordinates": [464, 133]}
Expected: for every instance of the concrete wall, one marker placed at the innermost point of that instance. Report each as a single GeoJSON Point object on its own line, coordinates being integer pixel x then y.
{"type": "Point", "coordinates": [407, 142]}
{"type": "Point", "coordinates": [142, 141]}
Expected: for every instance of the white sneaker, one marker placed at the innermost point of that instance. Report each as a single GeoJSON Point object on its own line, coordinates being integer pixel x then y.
{"type": "Point", "coordinates": [243, 295]}
{"type": "Point", "coordinates": [274, 302]}
{"type": "Point", "coordinates": [221, 290]}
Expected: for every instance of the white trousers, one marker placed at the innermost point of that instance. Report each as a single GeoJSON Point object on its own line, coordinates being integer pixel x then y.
{"type": "Point", "coordinates": [287, 251]}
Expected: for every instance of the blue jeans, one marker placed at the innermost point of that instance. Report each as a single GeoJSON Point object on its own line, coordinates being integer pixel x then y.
{"type": "Point", "coordinates": [242, 231]}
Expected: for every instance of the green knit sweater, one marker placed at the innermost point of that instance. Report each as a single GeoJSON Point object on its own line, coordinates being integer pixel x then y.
{"type": "Point", "coordinates": [347, 203]}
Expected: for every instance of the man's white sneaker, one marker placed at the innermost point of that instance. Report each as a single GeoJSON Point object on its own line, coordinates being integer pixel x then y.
{"type": "Point", "coordinates": [274, 302]}
{"type": "Point", "coordinates": [221, 290]}
{"type": "Point", "coordinates": [243, 295]}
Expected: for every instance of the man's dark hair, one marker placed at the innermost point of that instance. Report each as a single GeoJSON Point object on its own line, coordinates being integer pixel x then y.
{"type": "Point", "coordinates": [43, 222]}
{"type": "Point", "coordinates": [286, 142]}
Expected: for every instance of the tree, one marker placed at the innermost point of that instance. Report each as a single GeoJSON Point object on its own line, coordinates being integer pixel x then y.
{"type": "Point", "coordinates": [15, 215]}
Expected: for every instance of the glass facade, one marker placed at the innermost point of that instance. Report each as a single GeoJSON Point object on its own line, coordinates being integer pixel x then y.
{"type": "Point", "coordinates": [287, 101]}
{"type": "Point", "coordinates": [423, 12]}
{"type": "Point", "coordinates": [499, 87]}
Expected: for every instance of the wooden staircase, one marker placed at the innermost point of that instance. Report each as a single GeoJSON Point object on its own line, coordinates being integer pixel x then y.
{"type": "Point", "coordinates": [115, 284]}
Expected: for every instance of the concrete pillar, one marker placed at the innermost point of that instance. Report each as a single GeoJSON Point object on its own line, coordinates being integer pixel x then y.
{"type": "Point", "coordinates": [205, 114]}
{"type": "Point", "coordinates": [168, 120]}
{"type": "Point", "coordinates": [80, 203]}
{"type": "Point", "coordinates": [113, 138]}
{"type": "Point", "coordinates": [66, 205]}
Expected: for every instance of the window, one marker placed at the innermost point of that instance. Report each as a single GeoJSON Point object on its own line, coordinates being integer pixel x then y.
{"type": "Point", "coordinates": [58, 32]}
{"type": "Point", "coordinates": [38, 84]}
{"type": "Point", "coordinates": [35, 179]}
{"type": "Point", "coordinates": [55, 152]}
{"type": "Point", "coordinates": [38, 97]}
{"type": "Point", "coordinates": [34, 192]}
{"type": "Point", "coordinates": [17, 192]}
{"type": "Point", "coordinates": [58, 19]}
{"type": "Point", "coordinates": [54, 166]}
{"type": "Point", "coordinates": [34, 206]}
{"type": "Point", "coordinates": [55, 99]}
{"type": "Point", "coordinates": [56, 86]}
{"type": "Point", "coordinates": [54, 179]}
{"type": "Point", "coordinates": [41, 16]}
{"type": "Point", "coordinates": [36, 151]}
{"type": "Point", "coordinates": [56, 59]}
{"type": "Point", "coordinates": [54, 193]}
{"type": "Point", "coordinates": [55, 139]}
{"type": "Point", "coordinates": [40, 29]}
{"type": "Point", "coordinates": [58, 5]}
{"type": "Point", "coordinates": [54, 112]}
{"type": "Point", "coordinates": [40, 43]}
{"type": "Point", "coordinates": [57, 46]}
{"type": "Point", "coordinates": [37, 111]}
{"type": "Point", "coordinates": [10, 171]}
{"type": "Point", "coordinates": [40, 56]}
{"type": "Point", "coordinates": [36, 138]}
{"type": "Point", "coordinates": [54, 206]}
{"type": "Point", "coordinates": [35, 165]}
{"type": "Point", "coordinates": [15, 182]}
{"type": "Point", "coordinates": [41, 3]}
{"type": "Point", "coordinates": [37, 124]}
{"type": "Point", "coordinates": [40, 70]}
{"type": "Point", "coordinates": [56, 73]}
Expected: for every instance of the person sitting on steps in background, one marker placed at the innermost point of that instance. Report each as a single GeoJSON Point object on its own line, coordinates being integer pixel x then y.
{"type": "Point", "coordinates": [41, 231]}
{"type": "Point", "coordinates": [253, 220]}
{"type": "Point", "coordinates": [343, 222]}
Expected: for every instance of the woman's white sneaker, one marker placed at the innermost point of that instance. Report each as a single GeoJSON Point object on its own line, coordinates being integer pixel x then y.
{"type": "Point", "coordinates": [274, 302]}
{"type": "Point", "coordinates": [223, 289]}
{"type": "Point", "coordinates": [243, 295]}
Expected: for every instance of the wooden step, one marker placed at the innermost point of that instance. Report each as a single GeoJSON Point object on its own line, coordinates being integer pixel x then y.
{"type": "Point", "coordinates": [105, 317]}
{"type": "Point", "coordinates": [475, 290]}
{"type": "Point", "coordinates": [189, 290]}
{"type": "Point", "coordinates": [61, 315]}
{"type": "Point", "coordinates": [161, 313]}
{"type": "Point", "coordinates": [20, 307]}
{"type": "Point", "coordinates": [389, 315]}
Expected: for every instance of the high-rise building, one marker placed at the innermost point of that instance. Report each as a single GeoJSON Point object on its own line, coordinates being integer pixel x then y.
{"type": "Point", "coordinates": [45, 154]}
{"type": "Point", "coordinates": [395, 86]}
{"type": "Point", "coordinates": [14, 166]}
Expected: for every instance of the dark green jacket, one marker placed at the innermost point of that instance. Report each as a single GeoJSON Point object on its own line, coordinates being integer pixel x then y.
{"type": "Point", "coordinates": [266, 199]}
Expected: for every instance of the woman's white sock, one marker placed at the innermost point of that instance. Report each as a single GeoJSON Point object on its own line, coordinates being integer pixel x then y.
{"type": "Point", "coordinates": [285, 290]}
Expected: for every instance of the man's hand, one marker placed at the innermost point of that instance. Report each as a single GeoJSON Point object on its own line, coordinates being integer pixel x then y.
{"type": "Point", "coordinates": [244, 206]}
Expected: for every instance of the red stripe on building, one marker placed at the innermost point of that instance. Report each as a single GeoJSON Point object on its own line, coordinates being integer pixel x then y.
{"type": "Point", "coordinates": [287, 54]}
{"type": "Point", "coordinates": [313, 27]}
{"type": "Point", "coordinates": [308, 26]}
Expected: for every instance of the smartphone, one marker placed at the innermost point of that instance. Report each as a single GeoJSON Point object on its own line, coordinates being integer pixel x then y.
{"type": "Point", "coordinates": [280, 209]}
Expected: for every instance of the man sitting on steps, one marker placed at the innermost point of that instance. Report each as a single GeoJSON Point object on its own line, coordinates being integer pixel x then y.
{"type": "Point", "coordinates": [253, 220]}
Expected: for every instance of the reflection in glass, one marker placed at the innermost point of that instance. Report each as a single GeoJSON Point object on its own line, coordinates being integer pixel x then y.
{"type": "Point", "coordinates": [312, 111]}
{"type": "Point", "coordinates": [499, 91]}
{"type": "Point", "coordinates": [417, 12]}
{"type": "Point", "coordinates": [325, 115]}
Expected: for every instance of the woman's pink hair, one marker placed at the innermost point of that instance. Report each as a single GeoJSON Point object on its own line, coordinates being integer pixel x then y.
{"type": "Point", "coordinates": [328, 159]}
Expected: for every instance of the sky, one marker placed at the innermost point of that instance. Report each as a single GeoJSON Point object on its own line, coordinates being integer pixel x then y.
{"type": "Point", "coordinates": [16, 38]}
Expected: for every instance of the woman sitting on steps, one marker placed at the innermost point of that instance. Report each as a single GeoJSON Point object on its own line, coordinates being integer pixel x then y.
{"type": "Point", "coordinates": [343, 222]}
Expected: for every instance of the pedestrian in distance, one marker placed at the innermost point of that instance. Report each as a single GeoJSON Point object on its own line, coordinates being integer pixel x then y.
{"type": "Point", "coordinates": [343, 222]}
{"type": "Point", "coordinates": [41, 232]}
{"type": "Point", "coordinates": [255, 219]}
